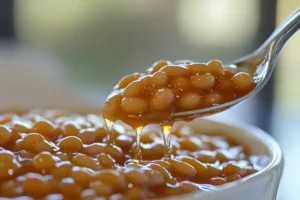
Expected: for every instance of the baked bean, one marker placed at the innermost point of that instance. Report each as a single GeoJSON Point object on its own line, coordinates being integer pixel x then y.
{"type": "Point", "coordinates": [15, 135]}
{"type": "Point", "coordinates": [34, 185]}
{"type": "Point", "coordinates": [125, 81]}
{"type": "Point", "coordinates": [18, 145]}
{"type": "Point", "coordinates": [172, 191]}
{"type": "Point", "coordinates": [217, 181]}
{"type": "Point", "coordinates": [182, 168]}
{"type": "Point", "coordinates": [85, 161]}
{"type": "Point", "coordinates": [70, 144]}
{"type": "Point", "coordinates": [216, 67]}
{"type": "Point", "coordinates": [187, 187]}
{"type": "Point", "coordinates": [123, 141]}
{"type": "Point", "coordinates": [189, 101]}
{"type": "Point", "coordinates": [243, 81]}
{"type": "Point", "coordinates": [165, 164]}
{"type": "Point", "coordinates": [150, 151]}
{"type": "Point", "coordinates": [44, 161]}
{"type": "Point", "coordinates": [112, 178]}
{"type": "Point", "coordinates": [133, 165]}
{"type": "Point", "coordinates": [147, 138]}
{"type": "Point", "coordinates": [159, 79]}
{"type": "Point", "coordinates": [62, 156]}
{"type": "Point", "coordinates": [101, 189]}
{"type": "Point", "coordinates": [221, 157]}
{"type": "Point", "coordinates": [111, 106]}
{"type": "Point", "coordinates": [175, 70]}
{"type": "Point", "coordinates": [11, 188]}
{"type": "Point", "coordinates": [203, 81]}
{"type": "Point", "coordinates": [24, 155]}
{"type": "Point", "coordinates": [145, 81]}
{"type": "Point", "coordinates": [88, 136]}
{"type": "Point", "coordinates": [101, 133]}
{"type": "Point", "coordinates": [138, 178]}
{"type": "Point", "coordinates": [213, 98]}
{"type": "Point", "coordinates": [106, 161]}
{"type": "Point", "coordinates": [158, 65]}
{"type": "Point", "coordinates": [81, 176]}
{"type": "Point", "coordinates": [45, 127]}
{"type": "Point", "coordinates": [42, 146]}
{"type": "Point", "coordinates": [213, 171]}
{"type": "Point", "coordinates": [5, 135]}
{"type": "Point", "coordinates": [32, 139]}
{"type": "Point", "coordinates": [206, 156]}
{"type": "Point", "coordinates": [22, 127]}
{"type": "Point", "coordinates": [162, 99]}
{"type": "Point", "coordinates": [155, 178]}
{"type": "Point", "coordinates": [190, 143]}
{"type": "Point", "coordinates": [233, 177]}
{"type": "Point", "coordinates": [62, 170]}
{"type": "Point", "coordinates": [94, 149]}
{"type": "Point", "coordinates": [135, 193]}
{"type": "Point", "coordinates": [9, 166]}
{"type": "Point", "coordinates": [200, 167]}
{"type": "Point", "coordinates": [233, 168]}
{"type": "Point", "coordinates": [225, 84]}
{"type": "Point", "coordinates": [162, 170]}
{"type": "Point", "coordinates": [114, 151]}
{"type": "Point", "coordinates": [133, 105]}
{"type": "Point", "coordinates": [70, 128]}
{"type": "Point", "coordinates": [6, 117]}
{"type": "Point", "coordinates": [180, 83]}
{"type": "Point", "coordinates": [133, 89]}
{"type": "Point", "coordinates": [199, 68]}
{"type": "Point", "coordinates": [69, 188]}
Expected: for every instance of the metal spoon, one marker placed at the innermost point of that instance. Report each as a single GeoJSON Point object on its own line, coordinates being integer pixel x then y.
{"type": "Point", "coordinates": [260, 64]}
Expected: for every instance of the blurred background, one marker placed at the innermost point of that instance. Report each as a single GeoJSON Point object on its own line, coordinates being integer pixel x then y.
{"type": "Point", "coordinates": [71, 53]}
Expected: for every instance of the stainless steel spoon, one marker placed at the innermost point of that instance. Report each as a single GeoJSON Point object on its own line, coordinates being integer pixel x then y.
{"type": "Point", "coordinates": [260, 64]}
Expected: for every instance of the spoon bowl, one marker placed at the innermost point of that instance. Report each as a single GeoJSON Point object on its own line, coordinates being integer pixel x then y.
{"type": "Point", "coordinates": [260, 64]}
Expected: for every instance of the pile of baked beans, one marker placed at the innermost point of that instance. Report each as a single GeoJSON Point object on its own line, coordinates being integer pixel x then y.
{"type": "Point", "coordinates": [51, 154]}
{"type": "Point", "coordinates": [169, 87]}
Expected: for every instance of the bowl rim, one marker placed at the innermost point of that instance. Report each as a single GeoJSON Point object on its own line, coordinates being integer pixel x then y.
{"type": "Point", "coordinates": [252, 131]}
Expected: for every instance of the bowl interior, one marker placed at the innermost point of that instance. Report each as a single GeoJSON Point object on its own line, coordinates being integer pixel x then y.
{"type": "Point", "coordinates": [258, 142]}
{"type": "Point", "coordinates": [254, 138]}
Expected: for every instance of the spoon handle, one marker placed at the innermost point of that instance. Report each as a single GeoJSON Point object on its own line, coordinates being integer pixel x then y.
{"type": "Point", "coordinates": [272, 46]}
{"type": "Point", "coordinates": [279, 37]}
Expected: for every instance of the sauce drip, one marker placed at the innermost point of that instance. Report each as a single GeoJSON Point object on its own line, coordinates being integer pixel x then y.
{"type": "Point", "coordinates": [138, 155]}
{"type": "Point", "coordinates": [166, 129]}
{"type": "Point", "coordinates": [110, 133]}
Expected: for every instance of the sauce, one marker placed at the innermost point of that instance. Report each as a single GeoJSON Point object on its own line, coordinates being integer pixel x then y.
{"type": "Point", "coordinates": [50, 154]}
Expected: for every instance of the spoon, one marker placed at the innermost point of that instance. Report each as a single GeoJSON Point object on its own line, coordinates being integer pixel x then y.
{"type": "Point", "coordinates": [260, 64]}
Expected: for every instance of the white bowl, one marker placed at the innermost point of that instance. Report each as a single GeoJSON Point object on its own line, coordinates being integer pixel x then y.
{"type": "Point", "coordinates": [262, 185]}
